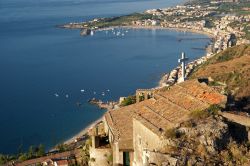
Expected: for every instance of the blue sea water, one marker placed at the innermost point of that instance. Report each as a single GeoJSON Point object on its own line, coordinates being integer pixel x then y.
{"type": "Point", "coordinates": [38, 60]}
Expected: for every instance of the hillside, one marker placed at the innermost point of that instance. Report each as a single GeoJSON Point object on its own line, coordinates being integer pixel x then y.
{"type": "Point", "coordinates": [230, 67]}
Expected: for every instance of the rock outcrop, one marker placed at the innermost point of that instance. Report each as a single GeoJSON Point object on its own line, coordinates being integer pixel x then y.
{"type": "Point", "coordinates": [201, 141]}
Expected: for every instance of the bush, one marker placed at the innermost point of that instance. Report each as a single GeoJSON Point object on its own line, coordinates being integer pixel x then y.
{"type": "Point", "coordinates": [214, 109]}
{"type": "Point", "coordinates": [235, 154]}
{"type": "Point", "coordinates": [199, 114]}
{"type": "Point", "coordinates": [23, 157]}
{"type": "Point", "coordinates": [2, 159]}
{"type": "Point", "coordinates": [213, 83]}
{"type": "Point", "coordinates": [188, 124]}
{"type": "Point", "coordinates": [41, 150]}
{"type": "Point", "coordinates": [128, 101]}
{"type": "Point", "coordinates": [62, 147]}
{"type": "Point", "coordinates": [170, 133]}
{"type": "Point", "coordinates": [173, 133]}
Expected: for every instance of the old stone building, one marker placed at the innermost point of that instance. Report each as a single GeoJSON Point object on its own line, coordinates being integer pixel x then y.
{"type": "Point", "coordinates": [135, 132]}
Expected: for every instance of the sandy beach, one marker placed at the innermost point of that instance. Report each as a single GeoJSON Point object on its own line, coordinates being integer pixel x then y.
{"type": "Point", "coordinates": [159, 27]}
{"type": "Point", "coordinates": [83, 131]}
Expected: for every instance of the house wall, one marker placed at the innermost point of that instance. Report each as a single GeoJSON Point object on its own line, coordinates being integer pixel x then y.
{"type": "Point", "coordinates": [100, 156]}
{"type": "Point", "coordinates": [131, 156]}
{"type": "Point", "coordinates": [108, 131]}
{"type": "Point", "coordinates": [117, 155]}
{"type": "Point", "coordinates": [144, 140]}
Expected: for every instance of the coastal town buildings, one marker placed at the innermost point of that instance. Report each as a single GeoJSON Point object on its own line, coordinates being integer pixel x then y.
{"type": "Point", "coordinates": [227, 31]}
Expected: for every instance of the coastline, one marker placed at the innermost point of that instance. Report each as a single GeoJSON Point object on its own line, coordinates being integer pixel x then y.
{"type": "Point", "coordinates": [163, 28]}
{"type": "Point", "coordinates": [83, 131]}
{"type": "Point", "coordinates": [194, 63]}
{"type": "Point", "coordinates": [94, 123]}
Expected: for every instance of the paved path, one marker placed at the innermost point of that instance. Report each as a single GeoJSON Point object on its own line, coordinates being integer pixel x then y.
{"type": "Point", "coordinates": [243, 120]}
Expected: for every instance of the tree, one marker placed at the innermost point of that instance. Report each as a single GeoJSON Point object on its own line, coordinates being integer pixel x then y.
{"type": "Point", "coordinates": [41, 150]}
{"type": "Point", "coordinates": [31, 152]}
{"type": "Point", "coordinates": [3, 159]}
{"type": "Point", "coordinates": [23, 157]}
{"type": "Point", "coordinates": [128, 100]}
{"type": "Point", "coordinates": [62, 147]}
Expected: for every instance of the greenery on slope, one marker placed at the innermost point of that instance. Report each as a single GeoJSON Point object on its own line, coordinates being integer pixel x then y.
{"type": "Point", "coordinates": [230, 67]}
{"type": "Point", "coordinates": [33, 152]}
{"type": "Point", "coordinates": [128, 101]}
{"type": "Point", "coordinates": [118, 21]}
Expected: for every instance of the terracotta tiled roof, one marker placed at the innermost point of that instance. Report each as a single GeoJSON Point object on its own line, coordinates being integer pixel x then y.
{"type": "Point", "coordinates": [62, 162]}
{"type": "Point", "coordinates": [167, 109]}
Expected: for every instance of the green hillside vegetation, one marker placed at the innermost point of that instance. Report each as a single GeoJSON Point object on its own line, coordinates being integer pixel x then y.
{"type": "Point", "coordinates": [118, 21]}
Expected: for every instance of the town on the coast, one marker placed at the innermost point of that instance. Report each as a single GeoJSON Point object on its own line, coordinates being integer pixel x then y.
{"type": "Point", "coordinates": [198, 115]}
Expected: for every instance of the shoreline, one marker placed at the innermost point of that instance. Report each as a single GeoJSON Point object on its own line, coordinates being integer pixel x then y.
{"type": "Point", "coordinates": [196, 62]}
{"type": "Point", "coordinates": [94, 123]}
{"type": "Point", "coordinates": [161, 28]}
{"type": "Point", "coordinates": [83, 131]}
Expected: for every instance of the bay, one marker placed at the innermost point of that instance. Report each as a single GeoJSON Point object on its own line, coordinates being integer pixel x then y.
{"type": "Point", "coordinates": [38, 60]}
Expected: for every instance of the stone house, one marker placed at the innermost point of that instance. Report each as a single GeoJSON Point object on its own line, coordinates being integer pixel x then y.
{"type": "Point", "coordinates": [136, 131]}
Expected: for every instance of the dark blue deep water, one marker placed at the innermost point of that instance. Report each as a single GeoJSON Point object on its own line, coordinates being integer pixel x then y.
{"type": "Point", "coordinates": [38, 60]}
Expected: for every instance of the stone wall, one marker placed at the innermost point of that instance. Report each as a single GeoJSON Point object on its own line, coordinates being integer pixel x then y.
{"type": "Point", "coordinates": [144, 141]}
{"type": "Point", "coordinates": [100, 157]}
{"type": "Point", "coordinates": [117, 155]}
{"type": "Point", "coordinates": [108, 131]}
{"type": "Point", "coordinates": [143, 94]}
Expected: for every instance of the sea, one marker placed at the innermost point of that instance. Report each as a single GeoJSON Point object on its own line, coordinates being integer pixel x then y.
{"type": "Point", "coordinates": [45, 71]}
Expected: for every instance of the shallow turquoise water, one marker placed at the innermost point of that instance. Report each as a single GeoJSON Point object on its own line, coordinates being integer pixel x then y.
{"type": "Point", "coordinates": [38, 60]}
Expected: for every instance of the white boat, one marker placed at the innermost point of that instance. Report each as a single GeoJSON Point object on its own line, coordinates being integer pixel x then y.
{"type": "Point", "coordinates": [67, 96]}
{"type": "Point", "coordinates": [57, 95]}
{"type": "Point", "coordinates": [92, 33]}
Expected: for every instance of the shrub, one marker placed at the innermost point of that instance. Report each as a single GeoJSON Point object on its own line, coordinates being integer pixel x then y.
{"type": "Point", "coordinates": [92, 159]}
{"type": "Point", "coordinates": [188, 124]}
{"type": "Point", "coordinates": [173, 133]}
{"type": "Point", "coordinates": [128, 101]}
{"type": "Point", "coordinates": [214, 83]}
{"type": "Point", "coordinates": [2, 159]}
{"type": "Point", "coordinates": [199, 114]}
{"type": "Point", "coordinates": [62, 147]}
{"type": "Point", "coordinates": [214, 109]}
{"type": "Point", "coordinates": [170, 133]}
{"type": "Point", "coordinates": [23, 157]}
{"type": "Point", "coordinates": [235, 154]}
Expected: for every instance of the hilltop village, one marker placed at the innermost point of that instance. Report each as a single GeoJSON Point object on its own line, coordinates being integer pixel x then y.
{"type": "Point", "coordinates": [199, 113]}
